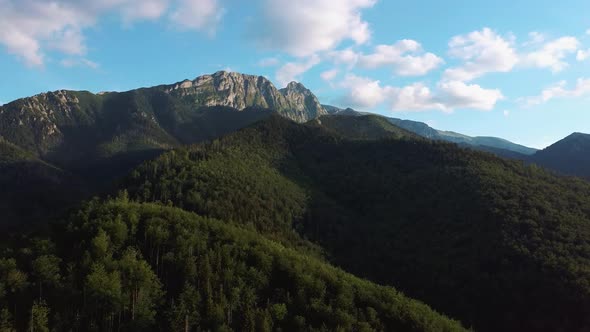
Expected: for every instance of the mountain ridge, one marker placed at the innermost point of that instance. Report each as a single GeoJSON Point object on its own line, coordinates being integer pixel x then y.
{"type": "Point", "coordinates": [568, 156]}
{"type": "Point", "coordinates": [450, 226]}
{"type": "Point", "coordinates": [482, 142]}
{"type": "Point", "coordinates": [57, 125]}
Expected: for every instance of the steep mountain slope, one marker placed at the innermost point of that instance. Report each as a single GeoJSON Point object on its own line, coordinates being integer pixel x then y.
{"type": "Point", "coordinates": [569, 156]}
{"type": "Point", "coordinates": [125, 266]}
{"type": "Point", "coordinates": [370, 127]}
{"type": "Point", "coordinates": [495, 145]}
{"type": "Point", "coordinates": [484, 141]}
{"type": "Point", "coordinates": [499, 245]}
{"type": "Point", "coordinates": [33, 191]}
{"type": "Point", "coordinates": [240, 91]}
{"type": "Point", "coordinates": [96, 138]}
{"type": "Point", "coordinates": [61, 125]}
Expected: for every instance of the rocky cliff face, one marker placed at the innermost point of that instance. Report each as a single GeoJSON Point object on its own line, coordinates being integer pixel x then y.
{"type": "Point", "coordinates": [240, 91]}
{"type": "Point", "coordinates": [72, 124]}
{"type": "Point", "coordinates": [33, 122]}
{"type": "Point", "coordinates": [303, 104]}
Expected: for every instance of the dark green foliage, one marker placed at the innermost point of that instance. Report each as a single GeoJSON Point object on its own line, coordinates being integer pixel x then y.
{"type": "Point", "coordinates": [31, 189]}
{"type": "Point", "coordinates": [569, 156]}
{"type": "Point", "coordinates": [176, 270]}
{"type": "Point", "coordinates": [370, 127]}
{"type": "Point", "coordinates": [498, 146]}
{"type": "Point", "coordinates": [496, 243]}
{"type": "Point", "coordinates": [39, 317]}
{"type": "Point", "coordinates": [59, 148]}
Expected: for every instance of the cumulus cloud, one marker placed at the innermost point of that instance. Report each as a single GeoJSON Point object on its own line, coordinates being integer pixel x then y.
{"type": "Point", "coordinates": [292, 71]}
{"type": "Point", "coordinates": [415, 97]}
{"type": "Point", "coordinates": [552, 54]}
{"type": "Point", "coordinates": [141, 10]}
{"type": "Point", "coordinates": [405, 56]}
{"type": "Point", "coordinates": [365, 93]}
{"type": "Point", "coordinates": [198, 14]}
{"type": "Point", "coordinates": [456, 94]}
{"type": "Point", "coordinates": [535, 38]}
{"type": "Point", "coordinates": [346, 56]}
{"type": "Point", "coordinates": [305, 27]}
{"type": "Point", "coordinates": [483, 52]}
{"type": "Point", "coordinates": [28, 28]}
{"type": "Point", "coordinates": [583, 55]}
{"type": "Point", "coordinates": [559, 90]}
{"type": "Point", "coordinates": [329, 75]}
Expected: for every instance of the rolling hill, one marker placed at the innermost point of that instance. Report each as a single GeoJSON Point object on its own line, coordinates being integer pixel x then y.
{"type": "Point", "coordinates": [492, 242]}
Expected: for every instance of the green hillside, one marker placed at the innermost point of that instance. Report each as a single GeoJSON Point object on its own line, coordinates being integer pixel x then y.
{"type": "Point", "coordinates": [494, 243]}
{"type": "Point", "coordinates": [125, 266]}
{"type": "Point", "coordinates": [368, 127]}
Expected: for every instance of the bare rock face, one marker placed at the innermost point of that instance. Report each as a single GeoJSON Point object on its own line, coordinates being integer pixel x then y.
{"type": "Point", "coordinates": [34, 121]}
{"type": "Point", "coordinates": [240, 91]}
{"type": "Point", "coordinates": [303, 102]}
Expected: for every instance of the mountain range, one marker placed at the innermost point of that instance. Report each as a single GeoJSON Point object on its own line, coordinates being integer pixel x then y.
{"type": "Point", "coordinates": [491, 144]}
{"type": "Point", "coordinates": [568, 156]}
{"type": "Point", "coordinates": [223, 203]}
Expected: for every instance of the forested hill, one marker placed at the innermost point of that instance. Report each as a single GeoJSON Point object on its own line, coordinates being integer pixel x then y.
{"type": "Point", "coordinates": [123, 266]}
{"type": "Point", "coordinates": [497, 244]}
{"type": "Point", "coordinates": [242, 233]}
{"type": "Point", "coordinates": [367, 127]}
{"type": "Point", "coordinates": [73, 144]}
{"type": "Point", "coordinates": [570, 156]}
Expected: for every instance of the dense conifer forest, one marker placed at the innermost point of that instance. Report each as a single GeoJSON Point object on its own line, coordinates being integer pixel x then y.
{"type": "Point", "coordinates": [340, 224]}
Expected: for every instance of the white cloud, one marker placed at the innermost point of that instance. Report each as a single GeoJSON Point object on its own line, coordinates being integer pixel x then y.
{"type": "Point", "coordinates": [455, 94]}
{"type": "Point", "coordinates": [405, 56]}
{"type": "Point", "coordinates": [291, 71]}
{"type": "Point", "coordinates": [588, 32]}
{"type": "Point", "coordinates": [198, 14]}
{"type": "Point", "coordinates": [344, 57]}
{"type": "Point", "coordinates": [559, 90]}
{"type": "Point", "coordinates": [506, 113]}
{"type": "Point", "coordinates": [582, 55]}
{"type": "Point", "coordinates": [483, 52]}
{"type": "Point", "coordinates": [552, 54]}
{"type": "Point", "coordinates": [365, 93]}
{"type": "Point", "coordinates": [329, 75]}
{"type": "Point", "coordinates": [29, 28]}
{"type": "Point", "coordinates": [79, 62]}
{"type": "Point", "coordinates": [415, 97]}
{"type": "Point", "coordinates": [269, 62]}
{"type": "Point", "coordinates": [133, 10]}
{"type": "Point", "coordinates": [305, 27]}
{"type": "Point", "coordinates": [535, 38]}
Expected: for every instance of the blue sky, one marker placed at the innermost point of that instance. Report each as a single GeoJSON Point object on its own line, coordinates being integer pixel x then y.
{"type": "Point", "coordinates": [514, 69]}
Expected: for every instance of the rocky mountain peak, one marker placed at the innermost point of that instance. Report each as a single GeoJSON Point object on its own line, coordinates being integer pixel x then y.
{"type": "Point", "coordinates": [241, 91]}
{"type": "Point", "coordinates": [296, 86]}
